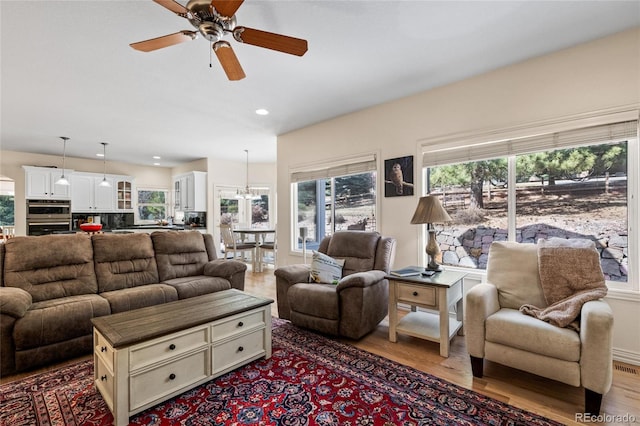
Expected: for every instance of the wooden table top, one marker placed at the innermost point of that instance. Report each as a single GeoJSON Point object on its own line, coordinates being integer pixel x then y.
{"type": "Point", "coordinates": [139, 325]}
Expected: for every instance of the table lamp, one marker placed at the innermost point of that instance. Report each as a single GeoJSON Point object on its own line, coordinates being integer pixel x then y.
{"type": "Point", "coordinates": [430, 211]}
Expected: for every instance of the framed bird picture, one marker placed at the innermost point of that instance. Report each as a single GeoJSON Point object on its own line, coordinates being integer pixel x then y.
{"type": "Point", "coordinates": [398, 176]}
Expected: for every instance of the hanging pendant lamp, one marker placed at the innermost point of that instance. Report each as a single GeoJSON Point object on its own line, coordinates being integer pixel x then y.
{"type": "Point", "coordinates": [63, 180]}
{"type": "Point", "coordinates": [104, 182]}
{"type": "Point", "coordinates": [247, 193]}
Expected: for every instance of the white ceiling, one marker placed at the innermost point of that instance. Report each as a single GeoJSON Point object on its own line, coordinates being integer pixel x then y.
{"type": "Point", "coordinates": [67, 68]}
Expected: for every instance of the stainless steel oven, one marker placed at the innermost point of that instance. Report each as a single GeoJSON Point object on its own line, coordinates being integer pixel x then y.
{"type": "Point", "coordinates": [48, 216]}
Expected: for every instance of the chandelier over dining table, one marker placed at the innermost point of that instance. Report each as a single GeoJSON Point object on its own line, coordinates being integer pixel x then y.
{"type": "Point", "coordinates": [247, 193]}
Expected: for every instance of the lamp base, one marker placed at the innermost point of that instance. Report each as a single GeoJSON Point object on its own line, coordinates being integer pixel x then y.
{"type": "Point", "coordinates": [434, 267]}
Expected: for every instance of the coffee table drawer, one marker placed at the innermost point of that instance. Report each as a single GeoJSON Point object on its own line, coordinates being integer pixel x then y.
{"type": "Point", "coordinates": [238, 324]}
{"type": "Point", "coordinates": [153, 385]}
{"type": "Point", "coordinates": [104, 381]}
{"type": "Point", "coordinates": [103, 349]}
{"type": "Point", "coordinates": [235, 352]}
{"type": "Point", "coordinates": [417, 295]}
{"type": "Point", "coordinates": [167, 347]}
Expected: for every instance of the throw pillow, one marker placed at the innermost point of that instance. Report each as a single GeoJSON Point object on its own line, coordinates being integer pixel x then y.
{"type": "Point", "coordinates": [325, 269]}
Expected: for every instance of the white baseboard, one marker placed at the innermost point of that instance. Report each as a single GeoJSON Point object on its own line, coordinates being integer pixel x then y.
{"type": "Point", "coordinates": [628, 357]}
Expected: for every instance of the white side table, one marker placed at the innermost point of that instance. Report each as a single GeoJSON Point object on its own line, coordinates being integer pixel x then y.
{"type": "Point", "coordinates": [438, 294]}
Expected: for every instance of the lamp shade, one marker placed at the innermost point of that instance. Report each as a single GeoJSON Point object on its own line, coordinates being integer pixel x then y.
{"type": "Point", "coordinates": [430, 210]}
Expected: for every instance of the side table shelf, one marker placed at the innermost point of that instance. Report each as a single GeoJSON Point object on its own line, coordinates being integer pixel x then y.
{"type": "Point", "coordinates": [438, 294]}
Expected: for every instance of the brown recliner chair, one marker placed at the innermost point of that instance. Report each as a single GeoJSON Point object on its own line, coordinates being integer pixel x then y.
{"type": "Point", "coordinates": [358, 302]}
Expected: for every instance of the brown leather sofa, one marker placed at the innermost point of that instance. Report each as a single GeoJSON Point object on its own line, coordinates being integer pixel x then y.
{"type": "Point", "coordinates": [357, 303]}
{"type": "Point", "coordinates": [51, 286]}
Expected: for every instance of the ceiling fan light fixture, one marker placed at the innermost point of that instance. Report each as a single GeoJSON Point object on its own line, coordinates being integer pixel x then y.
{"type": "Point", "coordinates": [63, 180]}
{"type": "Point", "coordinates": [105, 182]}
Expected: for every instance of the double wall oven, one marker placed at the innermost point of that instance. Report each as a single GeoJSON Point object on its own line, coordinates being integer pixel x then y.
{"type": "Point", "coordinates": [48, 216]}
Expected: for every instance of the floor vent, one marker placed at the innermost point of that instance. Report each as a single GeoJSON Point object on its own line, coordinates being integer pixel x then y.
{"type": "Point", "coordinates": [626, 368]}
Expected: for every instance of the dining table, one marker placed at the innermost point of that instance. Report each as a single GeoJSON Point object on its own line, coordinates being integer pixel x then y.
{"type": "Point", "coordinates": [259, 235]}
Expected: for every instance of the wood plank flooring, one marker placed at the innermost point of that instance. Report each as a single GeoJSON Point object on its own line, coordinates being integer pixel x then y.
{"type": "Point", "coordinates": [542, 396]}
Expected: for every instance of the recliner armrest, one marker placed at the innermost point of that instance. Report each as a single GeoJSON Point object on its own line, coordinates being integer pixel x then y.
{"type": "Point", "coordinates": [361, 279]}
{"type": "Point", "coordinates": [294, 274]}
{"type": "Point", "coordinates": [14, 301]}
{"type": "Point", "coordinates": [596, 337]}
{"type": "Point", "coordinates": [481, 302]}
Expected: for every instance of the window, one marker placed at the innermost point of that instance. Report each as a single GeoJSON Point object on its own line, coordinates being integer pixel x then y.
{"type": "Point", "coordinates": [325, 206]}
{"type": "Point", "coordinates": [152, 205]}
{"type": "Point", "coordinates": [260, 212]}
{"type": "Point", "coordinates": [579, 190]}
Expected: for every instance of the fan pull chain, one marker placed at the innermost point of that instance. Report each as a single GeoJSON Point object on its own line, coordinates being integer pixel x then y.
{"type": "Point", "coordinates": [210, 55]}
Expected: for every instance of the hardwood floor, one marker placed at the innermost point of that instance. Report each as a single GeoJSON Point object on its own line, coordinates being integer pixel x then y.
{"type": "Point", "coordinates": [542, 396]}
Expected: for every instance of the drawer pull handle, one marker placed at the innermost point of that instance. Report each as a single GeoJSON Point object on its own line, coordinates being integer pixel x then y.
{"type": "Point", "coordinates": [172, 376]}
{"type": "Point", "coordinates": [415, 293]}
{"type": "Point", "coordinates": [103, 378]}
{"type": "Point", "coordinates": [240, 324]}
{"type": "Point", "coordinates": [172, 346]}
{"type": "Point", "coordinates": [240, 349]}
{"type": "Point", "coordinates": [103, 349]}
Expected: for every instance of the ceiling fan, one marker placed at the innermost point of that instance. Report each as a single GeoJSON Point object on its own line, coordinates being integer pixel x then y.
{"type": "Point", "coordinates": [213, 19]}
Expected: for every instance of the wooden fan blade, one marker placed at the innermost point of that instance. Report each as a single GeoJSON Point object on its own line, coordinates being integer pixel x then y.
{"type": "Point", "coordinates": [281, 43]}
{"type": "Point", "coordinates": [229, 61]}
{"type": "Point", "coordinates": [164, 41]}
{"type": "Point", "coordinates": [173, 6]}
{"type": "Point", "coordinates": [226, 8]}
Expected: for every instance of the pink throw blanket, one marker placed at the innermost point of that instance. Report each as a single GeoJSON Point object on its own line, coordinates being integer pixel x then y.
{"type": "Point", "coordinates": [570, 276]}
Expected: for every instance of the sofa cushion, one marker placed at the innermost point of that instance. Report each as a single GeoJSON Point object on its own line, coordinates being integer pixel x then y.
{"type": "Point", "coordinates": [139, 297]}
{"type": "Point", "coordinates": [513, 269]}
{"type": "Point", "coordinates": [357, 248]}
{"type": "Point", "coordinates": [512, 328]}
{"type": "Point", "coordinates": [179, 254]}
{"type": "Point", "coordinates": [318, 300]}
{"type": "Point", "coordinates": [124, 261]}
{"type": "Point", "coordinates": [50, 266]}
{"type": "Point", "coordinates": [57, 320]}
{"type": "Point", "coordinates": [198, 285]}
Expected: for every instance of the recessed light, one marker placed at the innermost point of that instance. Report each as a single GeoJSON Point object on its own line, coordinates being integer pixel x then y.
{"type": "Point", "coordinates": [156, 157]}
{"type": "Point", "coordinates": [156, 164]}
{"type": "Point", "coordinates": [99, 154]}
{"type": "Point", "coordinates": [262, 111]}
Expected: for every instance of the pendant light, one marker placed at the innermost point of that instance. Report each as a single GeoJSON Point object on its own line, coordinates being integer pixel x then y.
{"type": "Point", "coordinates": [63, 180]}
{"type": "Point", "coordinates": [104, 182]}
{"type": "Point", "coordinates": [247, 193]}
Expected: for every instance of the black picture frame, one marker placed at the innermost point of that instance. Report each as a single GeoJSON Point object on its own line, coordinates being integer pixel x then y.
{"type": "Point", "coordinates": [398, 176]}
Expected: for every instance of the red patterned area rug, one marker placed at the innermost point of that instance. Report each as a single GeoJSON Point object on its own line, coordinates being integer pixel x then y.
{"type": "Point", "coordinates": [309, 380]}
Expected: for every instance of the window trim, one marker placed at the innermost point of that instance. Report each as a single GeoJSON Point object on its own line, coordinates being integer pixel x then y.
{"type": "Point", "coordinates": [329, 169]}
{"type": "Point", "coordinates": [500, 139]}
{"type": "Point", "coordinates": [167, 203]}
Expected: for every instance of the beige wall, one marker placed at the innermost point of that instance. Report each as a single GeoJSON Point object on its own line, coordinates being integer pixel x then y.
{"type": "Point", "coordinates": [596, 76]}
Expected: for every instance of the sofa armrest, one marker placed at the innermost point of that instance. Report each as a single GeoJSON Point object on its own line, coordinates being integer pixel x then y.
{"type": "Point", "coordinates": [596, 337]}
{"type": "Point", "coordinates": [232, 270]}
{"type": "Point", "coordinates": [481, 302]}
{"type": "Point", "coordinates": [361, 279]}
{"type": "Point", "coordinates": [14, 301]}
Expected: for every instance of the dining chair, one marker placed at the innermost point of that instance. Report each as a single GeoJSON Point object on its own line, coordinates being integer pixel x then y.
{"type": "Point", "coordinates": [268, 251]}
{"type": "Point", "coordinates": [8, 232]}
{"type": "Point", "coordinates": [233, 246]}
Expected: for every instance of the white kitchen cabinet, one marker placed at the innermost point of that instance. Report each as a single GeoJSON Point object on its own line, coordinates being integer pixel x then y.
{"type": "Point", "coordinates": [190, 192]}
{"type": "Point", "coordinates": [41, 183]}
{"type": "Point", "coordinates": [87, 196]}
{"type": "Point", "coordinates": [124, 194]}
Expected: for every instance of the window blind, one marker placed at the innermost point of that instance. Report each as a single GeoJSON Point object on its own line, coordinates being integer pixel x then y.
{"type": "Point", "coordinates": [336, 168]}
{"type": "Point", "coordinates": [614, 132]}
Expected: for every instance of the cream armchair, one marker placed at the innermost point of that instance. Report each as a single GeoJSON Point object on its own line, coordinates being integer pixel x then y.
{"type": "Point", "coordinates": [497, 331]}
